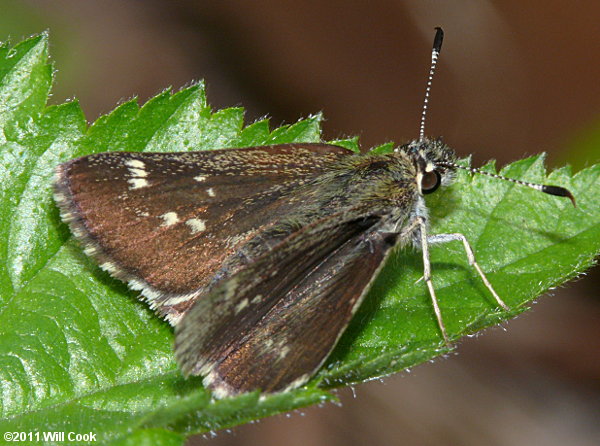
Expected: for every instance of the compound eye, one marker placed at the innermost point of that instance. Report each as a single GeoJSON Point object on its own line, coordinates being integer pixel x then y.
{"type": "Point", "coordinates": [430, 181]}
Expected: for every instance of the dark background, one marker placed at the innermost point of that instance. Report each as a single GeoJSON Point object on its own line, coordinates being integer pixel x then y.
{"type": "Point", "coordinates": [515, 78]}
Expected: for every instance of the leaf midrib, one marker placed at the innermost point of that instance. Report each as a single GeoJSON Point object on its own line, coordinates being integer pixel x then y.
{"type": "Point", "coordinates": [98, 391]}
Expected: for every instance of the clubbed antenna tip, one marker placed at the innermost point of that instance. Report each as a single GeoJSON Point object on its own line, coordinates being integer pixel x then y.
{"type": "Point", "coordinates": [438, 39]}
{"type": "Point", "coordinates": [550, 190]}
{"type": "Point", "coordinates": [559, 192]}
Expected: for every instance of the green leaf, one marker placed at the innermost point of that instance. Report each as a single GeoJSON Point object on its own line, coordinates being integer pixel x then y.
{"type": "Point", "coordinates": [80, 353]}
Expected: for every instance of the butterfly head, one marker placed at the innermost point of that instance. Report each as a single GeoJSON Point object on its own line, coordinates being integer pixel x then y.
{"type": "Point", "coordinates": [432, 160]}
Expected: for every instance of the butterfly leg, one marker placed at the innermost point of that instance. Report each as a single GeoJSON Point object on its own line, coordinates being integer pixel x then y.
{"type": "Point", "coordinates": [421, 224]}
{"type": "Point", "coordinates": [419, 227]}
{"type": "Point", "coordinates": [444, 238]}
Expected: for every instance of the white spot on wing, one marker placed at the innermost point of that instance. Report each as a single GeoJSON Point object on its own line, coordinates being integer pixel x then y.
{"type": "Point", "coordinates": [135, 164]}
{"type": "Point", "coordinates": [137, 169]}
{"type": "Point", "coordinates": [283, 352]}
{"type": "Point", "coordinates": [256, 299]}
{"type": "Point", "coordinates": [170, 218]}
{"type": "Point", "coordinates": [243, 304]}
{"type": "Point", "coordinates": [211, 192]}
{"type": "Point", "coordinates": [196, 225]}
{"type": "Point", "coordinates": [138, 172]}
{"type": "Point", "coordinates": [137, 183]}
{"type": "Point", "coordinates": [200, 178]}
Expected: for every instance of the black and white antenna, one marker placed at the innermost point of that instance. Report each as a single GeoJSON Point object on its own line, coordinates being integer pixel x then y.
{"type": "Point", "coordinates": [435, 52]}
{"type": "Point", "coordinates": [550, 190]}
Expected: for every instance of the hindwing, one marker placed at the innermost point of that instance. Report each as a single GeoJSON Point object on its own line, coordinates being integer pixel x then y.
{"type": "Point", "coordinates": [271, 325]}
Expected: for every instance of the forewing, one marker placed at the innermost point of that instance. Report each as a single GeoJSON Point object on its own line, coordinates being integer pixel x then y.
{"type": "Point", "coordinates": [164, 222]}
{"type": "Point", "coordinates": [273, 324]}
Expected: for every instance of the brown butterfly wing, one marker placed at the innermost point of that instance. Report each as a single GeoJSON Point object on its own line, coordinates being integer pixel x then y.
{"type": "Point", "coordinates": [271, 325]}
{"type": "Point", "coordinates": [164, 222]}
